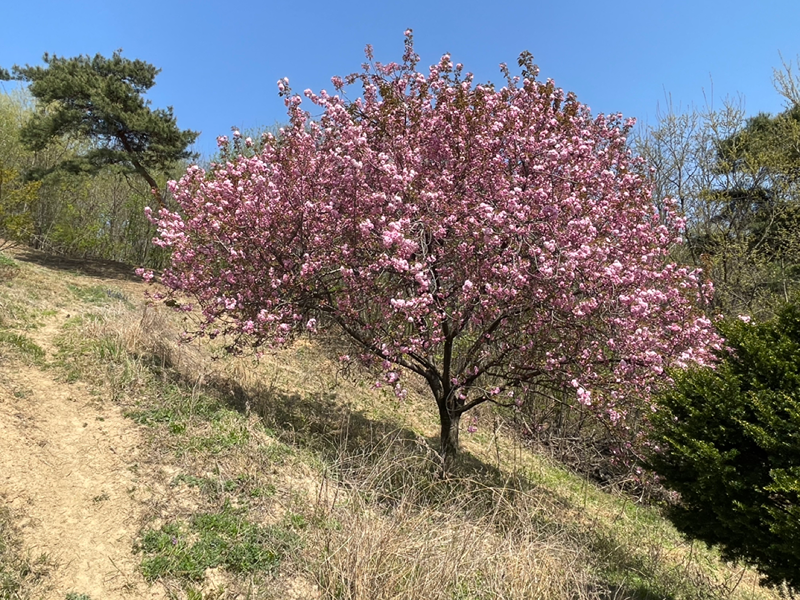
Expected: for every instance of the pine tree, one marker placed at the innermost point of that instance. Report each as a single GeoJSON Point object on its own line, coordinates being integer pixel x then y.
{"type": "Point", "coordinates": [101, 99]}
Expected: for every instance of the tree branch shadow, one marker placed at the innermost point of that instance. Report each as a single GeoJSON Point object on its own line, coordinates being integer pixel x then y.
{"type": "Point", "coordinates": [103, 269]}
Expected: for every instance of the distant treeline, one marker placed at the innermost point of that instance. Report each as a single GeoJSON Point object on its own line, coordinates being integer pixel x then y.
{"type": "Point", "coordinates": [81, 189]}
{"type": "Point", "coordinates": [82, 154]}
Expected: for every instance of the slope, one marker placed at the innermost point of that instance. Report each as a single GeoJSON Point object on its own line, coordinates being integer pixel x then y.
{"type": "Point", "coordinates": [142, 467]}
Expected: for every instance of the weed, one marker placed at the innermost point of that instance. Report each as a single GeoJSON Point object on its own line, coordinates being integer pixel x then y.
{"type": "Point", "coordinates": [97, 294]}
{"type": "Point", "coordinates": [8, 268]}
{"type": "Point", "coordinates": [263, 492]}
{"type": "Point", "coordinates": [228, 430]}
{"type": "Point", "coordinates": [152, 416]}
{"type": "Point", "coordinates": [20, 575]}
{"type": "Point", "coordinates": [177, 428]}
{"type": "Point", "coordinates": [277, 453]}
{"type": "Point", "coordinates": [295, 521]}
{"type": "Point", "coordinates": [23, 345]}
{"type": "Point", "coordinates": [77, 596]}
{"type": "Point", "coordinates": [220, 539]}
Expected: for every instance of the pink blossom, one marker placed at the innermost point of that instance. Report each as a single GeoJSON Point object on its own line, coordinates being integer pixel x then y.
{"type": "Point", "coordinates": [145, 274]}
{"type": "Point", "coordinates": [505, 228]}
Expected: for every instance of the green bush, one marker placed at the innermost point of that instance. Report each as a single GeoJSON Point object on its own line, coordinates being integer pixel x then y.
{"type": "Point", "coordinates": [728, 440]}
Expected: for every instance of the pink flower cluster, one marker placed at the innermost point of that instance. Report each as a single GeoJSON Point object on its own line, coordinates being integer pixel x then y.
{"type": "Point", "coordinates": [487, 238]}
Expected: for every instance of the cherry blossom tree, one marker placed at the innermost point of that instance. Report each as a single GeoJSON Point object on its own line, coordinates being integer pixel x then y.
{"type": "Point", "coordinates": [497, 242]}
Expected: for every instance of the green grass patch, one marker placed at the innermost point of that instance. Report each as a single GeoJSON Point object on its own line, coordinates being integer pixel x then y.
{"type": "Point", "coordinates": [97, 294]}
{"type": "Point", "coordinates": [220, 539]}
{"type": "Point", "coordinates": [227, 430]}
{"type": "Point", "coordinates": [173, 405]}
{"type": "Point", "coordinates": [8, 268]}
{"type": "Point", "coordinates": [152, 416]}
{"type": "Point", "coordinates": [5, 261]}
{"type": "Point", "coordinates": [277, 453]}
{"type": "Point", "coordinates": [243, 486]}
{"type": "Point", "coordinates": [22, 344]}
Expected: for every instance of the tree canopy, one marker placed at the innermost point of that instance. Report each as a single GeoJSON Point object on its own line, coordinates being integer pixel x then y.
{"type": "Point", "coordinates": [101, 99]}
{"type": "Point", "coordinates": [497, 242]}
{"type": "Point", "coordinates": [97, 214]}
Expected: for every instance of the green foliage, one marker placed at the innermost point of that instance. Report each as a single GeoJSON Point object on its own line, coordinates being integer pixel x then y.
{"type": "Point", "coordinates": [22, 344]}
{"type": "Point", "coordinates": [15, 108]}
{"type": "Point", "coordinates": [17, 203]}
{"type": "Point", "coordinates": [90, 215]}
{"type": "Point", "coordinates": [66, 183]}
{"type": "Point", "coordinates": [18, 198]}
{"type": "Point", "coordinates": [737, 182]}
{"type": "Point", "coordinates": [220, 539]}
{"type": "Point", "coordinates": [768, 207]}
{"type": "Point", "coordinates": [8, 270]}
{"type": "Point", "coordinates": [101, 99]}
{"type": "Point", "coordinates": [765, 140]}
{"type": "Point", "coordinates": [98, 216]}
{"type": "Point", "coordinates": [729, 441]}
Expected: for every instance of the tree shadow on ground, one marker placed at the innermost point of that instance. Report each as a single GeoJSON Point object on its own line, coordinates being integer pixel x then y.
{"type": "Point", "coordinates": [104, 269]}
{"type": "Point", "coordinates": [392, 458]}
{"type": "Point", "coordinates": [382, 458]}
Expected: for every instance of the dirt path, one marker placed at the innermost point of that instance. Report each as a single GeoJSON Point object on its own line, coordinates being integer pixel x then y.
{"type": "Point", "coordinates": [68, 467]}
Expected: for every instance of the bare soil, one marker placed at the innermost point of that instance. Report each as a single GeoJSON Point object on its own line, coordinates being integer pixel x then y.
{"type": "Point", "coordinates": [68, 470]}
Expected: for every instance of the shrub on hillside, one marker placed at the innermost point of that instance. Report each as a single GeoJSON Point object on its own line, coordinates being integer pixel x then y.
{"type": "Point", "coordinates": [729, 442]}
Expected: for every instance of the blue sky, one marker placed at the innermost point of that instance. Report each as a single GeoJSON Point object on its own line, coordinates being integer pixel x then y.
{"type": "Point", "coordinates": [220, 60]}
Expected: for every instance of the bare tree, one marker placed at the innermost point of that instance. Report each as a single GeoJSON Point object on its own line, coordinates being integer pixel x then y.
{"type": "Point", "coordinates": [735, 181]}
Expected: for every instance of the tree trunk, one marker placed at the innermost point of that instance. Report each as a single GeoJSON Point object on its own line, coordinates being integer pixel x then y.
{"type": "Point", "coordinates": [139, 168]}
{"type": "Point", "coordinates": [448, 436]}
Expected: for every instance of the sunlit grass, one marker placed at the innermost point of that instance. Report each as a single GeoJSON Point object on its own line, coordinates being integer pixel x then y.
{"type": "Point", "coordinates": [284, 473]}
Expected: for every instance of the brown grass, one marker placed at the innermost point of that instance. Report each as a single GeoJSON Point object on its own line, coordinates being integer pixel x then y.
{"type": "Point", "coordinates": [353, 472]}
{"type": "Point", "coordinates": [21, 575]}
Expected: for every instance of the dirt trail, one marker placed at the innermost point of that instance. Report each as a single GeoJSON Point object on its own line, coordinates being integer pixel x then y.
{"type": "Point", "coordinates": [67, 468]}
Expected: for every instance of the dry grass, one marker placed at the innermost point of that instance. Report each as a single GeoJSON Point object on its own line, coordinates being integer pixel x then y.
{"type": "Point", "coordinates": [351, 473]}
{"type": "Point", "coordinates": [403, 532]}
{"type": "Point", "coordinates": [384, 524]}
{"type": "Point", "coordinates": [21, 576]}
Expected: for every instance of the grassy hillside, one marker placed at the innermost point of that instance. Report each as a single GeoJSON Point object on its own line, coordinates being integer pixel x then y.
{"type": "Point", "coordinates": [282, 477]}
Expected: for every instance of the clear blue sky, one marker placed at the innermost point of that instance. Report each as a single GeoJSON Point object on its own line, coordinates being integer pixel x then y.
{"type": "Point", "coordinates": [220, 60]}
